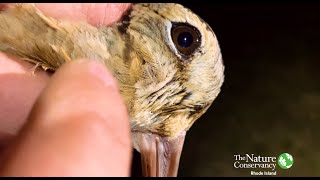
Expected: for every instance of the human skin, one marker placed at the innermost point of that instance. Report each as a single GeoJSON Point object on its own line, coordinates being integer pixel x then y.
{"type": "Point", "coordinates": [71, 123]}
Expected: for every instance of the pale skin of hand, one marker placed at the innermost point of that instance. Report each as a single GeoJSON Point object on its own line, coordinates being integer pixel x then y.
{"type": "Point", "coordinates": [71, 123]}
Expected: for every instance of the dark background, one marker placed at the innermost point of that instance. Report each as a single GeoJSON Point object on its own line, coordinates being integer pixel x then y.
{"type": "Point", "coordinates": [270, 101]}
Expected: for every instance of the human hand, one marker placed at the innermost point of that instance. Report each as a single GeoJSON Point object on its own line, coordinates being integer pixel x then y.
{"type": "Point", "coordinates": [78, 124]}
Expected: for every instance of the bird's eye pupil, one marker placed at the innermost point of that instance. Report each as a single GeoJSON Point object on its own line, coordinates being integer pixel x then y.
{"type": "Point", "coordinates": [185, 39]}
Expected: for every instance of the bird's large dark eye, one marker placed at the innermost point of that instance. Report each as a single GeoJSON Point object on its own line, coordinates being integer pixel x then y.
{"type": "Point", "coordinates": [186, 38]}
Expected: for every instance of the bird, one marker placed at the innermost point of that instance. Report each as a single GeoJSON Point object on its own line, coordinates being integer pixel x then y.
{"type": "Point", "coordinates": [166, 59]}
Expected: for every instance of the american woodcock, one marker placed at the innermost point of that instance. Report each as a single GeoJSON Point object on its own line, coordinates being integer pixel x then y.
{"type": "Point", "coordinates": [166, 59]}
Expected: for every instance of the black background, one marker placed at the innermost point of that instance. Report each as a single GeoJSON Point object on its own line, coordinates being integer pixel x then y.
{"type": "Point", "coordinates": [270, 101]}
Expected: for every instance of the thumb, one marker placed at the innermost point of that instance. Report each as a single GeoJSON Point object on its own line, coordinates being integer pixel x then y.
{"type": "Point", "coordinates": [78, 127]}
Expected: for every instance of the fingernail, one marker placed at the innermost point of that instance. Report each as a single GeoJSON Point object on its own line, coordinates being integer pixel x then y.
{"type": "Point", "coordinates": [97, 68]}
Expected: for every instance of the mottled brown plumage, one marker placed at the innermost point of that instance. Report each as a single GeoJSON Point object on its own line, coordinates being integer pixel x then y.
{"type": "Point", "coordinates": [166, 86]}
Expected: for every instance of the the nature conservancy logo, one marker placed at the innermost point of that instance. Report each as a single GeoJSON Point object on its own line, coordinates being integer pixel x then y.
{"type": "Point", "coordinates": [285, 161]}
{"type": "Point", "coordinates": [262, 165]}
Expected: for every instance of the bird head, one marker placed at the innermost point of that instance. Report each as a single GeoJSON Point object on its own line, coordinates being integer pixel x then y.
{"type": "Point", "coordinates": [174, 73]}
{"type": "Point", "coordinates": [166, 59]}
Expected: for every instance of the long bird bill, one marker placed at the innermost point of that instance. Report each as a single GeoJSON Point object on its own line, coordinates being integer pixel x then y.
{"type": "Point", "coordinates": [160, 156]}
